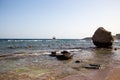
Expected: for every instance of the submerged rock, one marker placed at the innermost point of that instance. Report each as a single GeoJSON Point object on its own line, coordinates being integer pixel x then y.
{"type": "Point", "coordinates": [65, 56]}
{"type": "Point", "coordinates": [102, 38]}
{"type": "Point", "coordinates": [92, 66]}
{"type": "Point", "coordinates": [53, 54]}
{"type": "Point", "coordinates": [65, 52]}
{"type": "Point", "coordinates": [97, 65]}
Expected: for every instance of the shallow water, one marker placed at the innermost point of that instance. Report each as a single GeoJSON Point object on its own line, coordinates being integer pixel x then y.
{"type": "Point", "coordinates": [40, 64]}
{"type": "Point", "coordinates": [35, 64]}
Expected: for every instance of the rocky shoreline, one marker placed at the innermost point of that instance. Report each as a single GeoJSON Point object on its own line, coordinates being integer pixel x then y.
{"type": "Point", "coordinates": [37, 66]}
{"type": "Point", "coordinates": [95, 63]}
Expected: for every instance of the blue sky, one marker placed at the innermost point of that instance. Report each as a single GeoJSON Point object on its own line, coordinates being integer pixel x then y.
{"type": "Point", "coordinates": [60, 18]}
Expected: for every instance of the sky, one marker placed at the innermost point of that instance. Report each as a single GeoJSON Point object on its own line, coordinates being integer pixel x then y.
{"type": "Point", "coordinates": [74, 19]}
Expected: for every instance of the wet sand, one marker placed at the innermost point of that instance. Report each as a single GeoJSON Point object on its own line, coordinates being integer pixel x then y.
{"type": "Point", "coordinates": [41, 66]}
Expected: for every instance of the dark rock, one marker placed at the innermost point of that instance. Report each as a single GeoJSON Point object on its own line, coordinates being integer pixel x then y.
{"type": "Point", "coordinates": [77, 61]}
{"type": "Point", "coordinates": [65, 52]}
{"type": "Point", "coordinates": [64, 57]}
{"type": "Point", "coordinates": [92, 66]}
{"type": "Point", "coordinates": [115, 49]}
{"type": "Point", "coordinates": [101, 44]}
{"type": "Point", "coordinates": [53, 54]}
{"type": "Point", "coordinates": [97, 65]}
{"type": "Point", "coordinates": [102, 38]}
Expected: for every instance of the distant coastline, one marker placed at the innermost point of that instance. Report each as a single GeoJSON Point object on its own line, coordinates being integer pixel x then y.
{"type": "Point", "coordinates": [116, 37]}
{"type": "Point", "coordinates": [87, 38]}
{"type": "Point", "coordinates": [33, 39]}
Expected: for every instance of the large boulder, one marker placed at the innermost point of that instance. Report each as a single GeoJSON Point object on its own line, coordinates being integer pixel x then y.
{"type": "Point", "coordinates": [102, 38]}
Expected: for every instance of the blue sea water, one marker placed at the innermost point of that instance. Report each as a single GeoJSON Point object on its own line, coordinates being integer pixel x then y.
{"type": "Point", "coordinates": [13, 45]}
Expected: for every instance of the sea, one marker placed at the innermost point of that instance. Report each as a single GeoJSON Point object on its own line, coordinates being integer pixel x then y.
{"type": "Point", "coordinates": [8, 46]}
{"type": "Point", "coordinates": [22, 59]}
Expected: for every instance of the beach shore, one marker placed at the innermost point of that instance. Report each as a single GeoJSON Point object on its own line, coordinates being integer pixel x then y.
{"type": "Point", "coordinates": [41, 66]}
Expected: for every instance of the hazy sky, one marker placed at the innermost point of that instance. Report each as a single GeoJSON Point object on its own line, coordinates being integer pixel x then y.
{"type": "Point", "coordinates": [60, 18]}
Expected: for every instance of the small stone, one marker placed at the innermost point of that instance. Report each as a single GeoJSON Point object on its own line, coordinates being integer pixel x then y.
{"type": "Point", "coordinates": [77, 61]}
{"type": "Point", "coordinates": [53, 54]}
{"type": "Point", "coordinates": [115, 49]}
